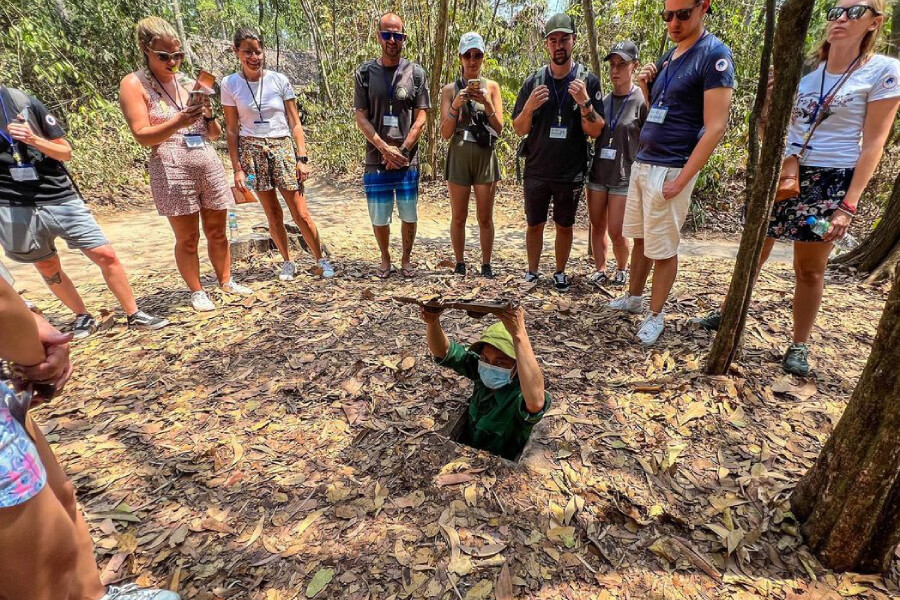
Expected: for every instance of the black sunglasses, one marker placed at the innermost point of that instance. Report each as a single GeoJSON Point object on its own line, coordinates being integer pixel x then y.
{"type": "Point", "coordinates": [682, 15]}
{"type": "Point", "coordinates": [388, 35]}
{"type": "Point", "coordinates": [473, 55]}
{"type": "Point", "coordinates": [167, 56]}
{"type": "Point", "coordinates": [854, 13]}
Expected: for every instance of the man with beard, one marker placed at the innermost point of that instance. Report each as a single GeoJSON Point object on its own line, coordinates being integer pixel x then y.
{"type": "Point", "coordinates": [692, 85]}
{"type": "Point", "coordinates": [390, 98]}
{"type": "Point", "coordinates": [556, 108]}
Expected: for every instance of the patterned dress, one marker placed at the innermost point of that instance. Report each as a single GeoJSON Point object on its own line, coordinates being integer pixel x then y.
{"type": "Point", "coordinates": [22, 475]}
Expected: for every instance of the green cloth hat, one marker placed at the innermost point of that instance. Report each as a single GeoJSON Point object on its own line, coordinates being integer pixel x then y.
{"type": "Point", "coordinates": [559, 22]}
{"type": "Point", "coordinates": [497, 336]}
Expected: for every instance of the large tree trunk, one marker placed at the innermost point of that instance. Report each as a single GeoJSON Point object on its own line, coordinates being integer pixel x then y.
{"type": "Point", "coordinates": [849, 501]}
{"type": "Point", "coordinates": [591, 26]}
{"type": "Point", "coordinates": [791, 33]}
{"type": "Point", "coordinates": [765, 60]}
{"type": "Point", "coordinates": [437, 69]}
{"type": "Point", "coordinates": [880, 251]}
{"type": "Point", "coordinates": [179, 26]}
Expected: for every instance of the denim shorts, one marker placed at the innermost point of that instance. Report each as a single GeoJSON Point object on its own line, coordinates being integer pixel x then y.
{"type": "Point", "coordinates": [616, 190]}
{"type": "Point", "coordinates": [28, 232]}
{"type": "Point", "coordinates": [381, 189]}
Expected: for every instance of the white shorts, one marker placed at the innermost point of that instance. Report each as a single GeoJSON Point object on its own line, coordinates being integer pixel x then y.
{"type": "Point", "coordinates": [648, 215]}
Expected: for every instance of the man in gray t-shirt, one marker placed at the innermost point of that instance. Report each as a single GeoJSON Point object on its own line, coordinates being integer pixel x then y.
{"type": "Point", "coordinates": [390, 98]}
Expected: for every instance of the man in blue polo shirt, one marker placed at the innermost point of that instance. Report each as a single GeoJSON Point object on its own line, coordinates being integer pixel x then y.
{"type": "Point", "coordinates": [689, 93]}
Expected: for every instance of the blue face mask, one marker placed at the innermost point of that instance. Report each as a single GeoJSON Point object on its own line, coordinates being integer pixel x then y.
{"type": "Point", "coordinates": [494, 377]}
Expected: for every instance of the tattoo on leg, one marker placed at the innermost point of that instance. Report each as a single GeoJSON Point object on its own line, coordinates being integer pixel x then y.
{"type": "Point", "coordinates": [54, 279]}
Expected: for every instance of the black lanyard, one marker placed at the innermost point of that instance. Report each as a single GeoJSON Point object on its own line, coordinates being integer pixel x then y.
{"type": "Point", "coordinates": [13, 145]}
{"type": "Point", "coordinates": [559, 106]}
{"type": "Point", "coordinates": [669, 74]}
{"type": "Point", "coordinates": [827, 98]}
{"type": "Point", "coordinates": [612, 103]}
{"type": "Point", "coordinates": [390, 83]}
{"type": "Point", "coordinates": [262, 80]}
{"type": "Point", "coordinates": [177, 104]}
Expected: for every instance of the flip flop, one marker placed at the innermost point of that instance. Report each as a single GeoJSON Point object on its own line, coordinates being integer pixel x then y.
{"type": "Point", "coordinates": [408, 273]}
{"type": "Point", "coordinates": [384, 273]}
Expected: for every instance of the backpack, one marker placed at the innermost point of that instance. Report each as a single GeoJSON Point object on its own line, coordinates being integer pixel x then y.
{"type": "Point", "coordinates": [581, 72]}
{"type": "Point", "coordinates": [21, 102]}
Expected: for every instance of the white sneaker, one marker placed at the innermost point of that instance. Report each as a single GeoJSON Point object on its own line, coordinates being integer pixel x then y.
{"type": "Point", "coordinates": [201, 302]}
{"type": "Point", "coordinates": [632, 304]}
{"type": "Point", "coordinates": [651, 329]}
{"type": "Point", "coordinates": [327, 269]}
{"type": "Point", "coordinates": [236, 288]}
{"type": "Point", "coordinates": [288, 270]}
{"type": "Point", "coordinates": [133, 592]}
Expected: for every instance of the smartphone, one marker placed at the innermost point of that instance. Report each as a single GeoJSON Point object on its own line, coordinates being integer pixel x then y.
{"type": "Point", "coordinates": [195, 97]}
{"type": "Point", "coordinates": [474, 85]}
{"type": "Point", "coordinates": [205, 82]}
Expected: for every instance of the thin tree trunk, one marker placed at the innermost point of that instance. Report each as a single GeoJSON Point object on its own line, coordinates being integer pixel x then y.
{"type": "Point", "coordinates": [437, 69]}
{"type": "Point", "coordinates": [788, 55]}
{"type": "Point", "coordinates": [849, 501]}
{"type": "Point", "coordinates": [765, 61]}
{"type": "Point", "coordinates": [869, 256]}
{"type": "Point", "coordinates": [179, 26]}
{"type": "Point", "coordinates": [221, 8]}
{"type": "Point", "coordinates": [591, 26]}
{"type": "Point", "coordinates": [316, 35]}
{"type": "Point", "coordinates": [261, 9]}
{"type": "Point", "coordinates": [894, 39]}
{"type": "Point", "coordinates": [63, 13]}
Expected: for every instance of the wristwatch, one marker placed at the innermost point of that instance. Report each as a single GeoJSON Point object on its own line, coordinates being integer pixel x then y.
{"type": "Point", "coordinates": [587, 104]}
{"type": "Point", "coordinates": [303, 159]}
{"type": "Point", "coordinates": [404, 152]}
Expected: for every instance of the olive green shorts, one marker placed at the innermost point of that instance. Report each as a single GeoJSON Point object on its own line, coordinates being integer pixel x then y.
{"type": "Point", "coordinates": [470, 164]}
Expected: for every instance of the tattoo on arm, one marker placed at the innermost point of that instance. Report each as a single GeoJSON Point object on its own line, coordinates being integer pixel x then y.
{"type": "Point", "coordinates": [54, 279]}
{"type": "Point", "coordinates": [591, 116]}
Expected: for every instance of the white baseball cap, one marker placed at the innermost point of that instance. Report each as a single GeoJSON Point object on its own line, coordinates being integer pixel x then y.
{"type": "Point", "coordinates": [471, 40]}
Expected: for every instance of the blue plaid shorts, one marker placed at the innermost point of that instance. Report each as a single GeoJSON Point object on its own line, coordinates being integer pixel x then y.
{"type": "Point", "coordinates": [381, 188]}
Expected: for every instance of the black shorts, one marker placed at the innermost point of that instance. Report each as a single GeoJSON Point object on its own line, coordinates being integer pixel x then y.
{"type": "Point", "coordinates": [564, 196]}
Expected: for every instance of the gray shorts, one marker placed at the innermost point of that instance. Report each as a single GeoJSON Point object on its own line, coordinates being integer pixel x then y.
{"type": "Point", "coordinates": [28, 233]}
{"type": "Point", "coordinates": [615, 190]}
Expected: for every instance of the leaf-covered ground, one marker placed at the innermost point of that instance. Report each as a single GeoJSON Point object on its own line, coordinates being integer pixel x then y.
{"type": "Point", "coordinates": [289, 444]}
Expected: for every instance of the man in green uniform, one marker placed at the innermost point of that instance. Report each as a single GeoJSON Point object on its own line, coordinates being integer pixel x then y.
{"type": "Point", "coordinates": [509, 397]}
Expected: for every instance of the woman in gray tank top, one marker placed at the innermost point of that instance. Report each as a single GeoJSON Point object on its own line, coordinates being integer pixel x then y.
{"type": "Point", "coordinates": [472, 117]}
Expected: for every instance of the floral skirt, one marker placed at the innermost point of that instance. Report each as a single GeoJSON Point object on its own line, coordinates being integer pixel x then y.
{"type": "Point", "coordinates": [821, 190]}
{"type": "Point", "coordinates": [271, 160]}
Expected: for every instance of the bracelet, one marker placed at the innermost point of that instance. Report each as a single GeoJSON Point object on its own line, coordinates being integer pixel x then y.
{"type": "Point", "coordinates": [850, 210]}
{"type": "Point", "coordinates": [453, 114]}
{"type": "Point", "coordinates": [488, 116]}
{"type": "Point", "coordinates": [209, 119]}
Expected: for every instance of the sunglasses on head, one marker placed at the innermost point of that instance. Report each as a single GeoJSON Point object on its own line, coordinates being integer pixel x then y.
{"type": "Point", "coordinates": [387, 36]}
{"type": "Point", "coordinates": [682, 15]}
{"type": "Point", "coordinates": [167, 56]}
{"type": "Point", "coordinates": [473, 55]}
{"type": "Point", "coordinates": [854, 13]}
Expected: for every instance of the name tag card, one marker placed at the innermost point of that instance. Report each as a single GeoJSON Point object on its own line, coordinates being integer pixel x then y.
{"type": "Point", "coordinates": [262, 127]}
{"type": "Point", "coordinates": [608, 153]}
{"type": "Point", "coordinates": [390, 121]}
{"type": "Point", "coordinates": [23, 173]}
{"type": "Point", "coordinates": [193, 140]}
{"type": "Point", "coordinates": [559, 133]}
{"type": "Point", "coordinates": [658, 114]}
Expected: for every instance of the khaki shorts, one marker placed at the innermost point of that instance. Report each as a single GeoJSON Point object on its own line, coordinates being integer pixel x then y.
{"type": "Point", "coordinates": [650, 216]}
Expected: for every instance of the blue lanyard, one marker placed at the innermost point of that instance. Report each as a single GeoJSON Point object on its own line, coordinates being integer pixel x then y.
{"type": "Point", "coordinates": [669, 74]}
{"type": "Point", "coordinates": [12, 143]}
{"type": "Point", "coordinates": [614, 122]}
{"type": "Point", "coordinates": [556, 92]}
{"type": "Point", "coordinates": [827, 98]}
{"type": "Point", "coordinates": [390, 82]}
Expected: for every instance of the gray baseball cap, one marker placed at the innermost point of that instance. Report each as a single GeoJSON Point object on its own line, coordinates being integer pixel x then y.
{"type": "Point", "coordinates": [626, 49]}
{"type": "Point", "coordinates": [471, 40]}
{"type": "Point", "coordinates": [560, 22]}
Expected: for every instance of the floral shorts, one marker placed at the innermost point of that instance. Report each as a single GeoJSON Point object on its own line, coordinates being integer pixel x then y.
{"type": "Point", "coordinates": [271, 160]}
{"type": "Point", "coordinates": [22, 474]}
{"type": "Point", "coordinates": [821, 190]}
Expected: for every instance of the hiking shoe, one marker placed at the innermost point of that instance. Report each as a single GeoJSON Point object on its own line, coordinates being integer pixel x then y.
{"type": "Point", "coordinates": [620, 278]}
{"type": "Point", "coordinates": [598, 278]}
{"type": "Point", "coordinates": [709, 321]}
{"type": "Point", "coordinates": [796, 360]}
{"type": "Point", "coordinates": [327, 269]}
{"type": "Point", "coordinates": [460, 269]}
{"type": "Point", "coordinates": [83, 326]}
{"type": "Point", "coordinates": [288, 270]}
{"type": "Point", "coordinates": [133, 592]}
{"type": "Point", "coordinates": [236, 288]}
{"type": "Point", "coordinates": [632, 304]}
{"type": "Point", "coordinates": [532, 277]}
{"type": "Point", "coordinates": [201, 302]}
{"type": "Point", "coordinates": [486, 271]}
{"type": "Point", "coordinates": [561, 281]}
{"type": "Point", "coordinates": [651, 329]}
{"type": "Point", "coordinates": [141, 320]}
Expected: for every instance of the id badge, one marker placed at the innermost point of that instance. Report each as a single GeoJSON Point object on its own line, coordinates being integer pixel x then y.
{"type": "Point", "coordinates": [559, 133]}
{"type": "Point", "coordinates": [657, 114]}
{"type": "Point", "coordinates": [262, 128]}
{"type": "Point", "coordinates": [608, 153]}
{"type": "Point", "coordinates": [193, 140]}
{"type": "Point", "coordinates": [23, 173]}
{"type": "Point", "coordinates": [390, 121]}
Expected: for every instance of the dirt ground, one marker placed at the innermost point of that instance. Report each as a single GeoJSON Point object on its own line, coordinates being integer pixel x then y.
{"type": "Point", "coordinates": [289, 445]}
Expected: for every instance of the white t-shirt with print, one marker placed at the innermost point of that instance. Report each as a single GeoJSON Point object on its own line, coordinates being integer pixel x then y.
{"type": "Point", "coordinates": [246, 95]}
{"type": "Point", "coordinates": [836, 142]}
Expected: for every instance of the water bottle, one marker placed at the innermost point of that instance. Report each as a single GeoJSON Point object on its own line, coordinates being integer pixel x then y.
{"type": "Point", "coordinates": [820, 227]}
{"type": "Point", "coordinates": [250, 181]}
{"type": "Point", "coordinates": [232, 223]}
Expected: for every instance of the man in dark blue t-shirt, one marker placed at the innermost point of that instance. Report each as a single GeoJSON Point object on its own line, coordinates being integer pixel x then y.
{"type": "Point", "coordinates": [691, 91]}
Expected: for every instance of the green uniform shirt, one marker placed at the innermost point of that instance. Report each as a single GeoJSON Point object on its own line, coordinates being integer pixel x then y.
{"type": "Point", "coordinates": [499, 422]}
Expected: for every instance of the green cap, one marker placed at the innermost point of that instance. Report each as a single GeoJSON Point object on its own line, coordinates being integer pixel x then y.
{"type": "Point", "coordinates": [560, 22]}
{"type": "Point", "coordinates": [497, 336]}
